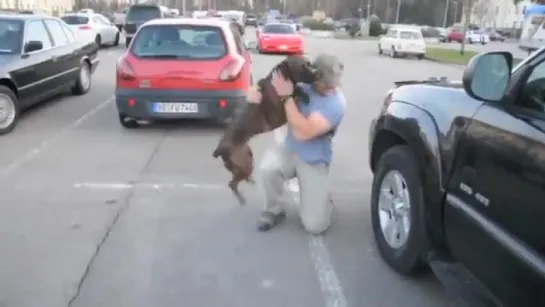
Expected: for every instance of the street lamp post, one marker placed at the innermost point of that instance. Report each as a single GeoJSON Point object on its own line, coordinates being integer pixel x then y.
{"type": "Point", "coordinates": [447, 4]}
{"type": "Point", "coordinates": [397, 10]}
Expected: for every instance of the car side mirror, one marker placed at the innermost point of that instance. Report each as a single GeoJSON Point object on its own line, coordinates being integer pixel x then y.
{"type": "Point", "coordinates": [32, 46]}
{"type": "Point", "coordinates": [487, 76]}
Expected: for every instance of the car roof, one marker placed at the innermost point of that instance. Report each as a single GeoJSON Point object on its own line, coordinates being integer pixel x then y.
{"type": "Point", "coordinates": [78, 15]}
{"type": "Point", "coordinates": [22, 17]}
{"type": "Point", "coordinates": [408, 29]}
{"type": "Point", "coordinates": [278, 23]}
{"type": "Point", "coordinates": [220, 23]}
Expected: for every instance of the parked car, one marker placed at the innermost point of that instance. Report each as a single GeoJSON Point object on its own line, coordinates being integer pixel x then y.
{"type": "Point", "coordinates": [402, 41]}
{"type": "Point", "coordinates": [442, 34]}
{"type": "Point", "coordinates": [119, 18]}
{"type": "Point", "coordinates": [477, 36]}
{"type": "Point", "coordinates": [86, 11]}
{"type": "Point", "coordinates": [93, 27]}
{"type": "Point", "coordinates": [237, 16]}
{"type": "Point", "coordinates": [495, 35]}
{"type": "Point", "coordinates": [182, 68]}
{"type": "Point", "coordinates": [458, 183]}
{"type": "Point", "coordinates": [279, 38]}
{"type": "Point", "coordinates": [455, 34]}
{"type": "Point", "coordinates": [41, 64]}
{"type": "Point", "coordinates": [139, 14]}
{"type": "Point", "coordinates": [251, 20]}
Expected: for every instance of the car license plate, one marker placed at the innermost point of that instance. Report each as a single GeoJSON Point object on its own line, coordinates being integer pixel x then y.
{"type": "Point", "coordinates": [283, 47]}
{"type": "Point", "coordinates": [175, 107]}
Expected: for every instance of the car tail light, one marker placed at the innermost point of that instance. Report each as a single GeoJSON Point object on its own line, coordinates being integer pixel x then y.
{"type": "Point", "coordinates": [222, 103]}
{"type": "Point", "coordinates": [232, 70]}
{"type": "Point", "coordinates": [124, 70]}
{"type": "Point", "coordinates": [86, 27]}
{"type": "Point", "coordinates": [131, 102]}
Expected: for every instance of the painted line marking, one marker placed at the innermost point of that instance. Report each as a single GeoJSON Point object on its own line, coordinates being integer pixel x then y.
{"type": "Point", "coordinates": [156, 186]}
{"type": "Point", "coordinates": [329, 282]}
{"type": "Point", "coordinates": [13, 166]}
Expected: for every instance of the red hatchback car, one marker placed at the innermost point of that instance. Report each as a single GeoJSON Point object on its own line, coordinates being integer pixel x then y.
{"type": "Point", "coordinates": [182, 68]}
{"type": "Point", "coordinates": [279, 38]}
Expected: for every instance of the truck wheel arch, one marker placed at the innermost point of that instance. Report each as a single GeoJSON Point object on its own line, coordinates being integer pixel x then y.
{"type": "Point", "coordinates": [406, 124]}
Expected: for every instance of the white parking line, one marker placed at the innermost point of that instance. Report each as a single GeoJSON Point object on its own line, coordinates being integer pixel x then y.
{"type": "Point", "coordinates": [329, 282]}
{"type": "Point", "coordinates": [8, 170]}
{"type": "Point", "coordinates": [155, 186]}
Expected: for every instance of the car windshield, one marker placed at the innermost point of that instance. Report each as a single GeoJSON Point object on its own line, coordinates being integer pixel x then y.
{"type": "Point", "coordinates": [11, 35]}
{"type": "Point", "coordinates": [410, 35]}
{"type": "Point", "coordinates": [75, 19]}
{"type": "Point", "coordinates": [180, 42]}
{"type": "Point", "coordinates": [278, 29]}
{"type": "Point", "coordinates": [143, 13]}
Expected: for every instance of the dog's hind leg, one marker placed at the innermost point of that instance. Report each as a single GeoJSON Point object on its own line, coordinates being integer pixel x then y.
{"type": "Point", "coordinates": [233, 185]}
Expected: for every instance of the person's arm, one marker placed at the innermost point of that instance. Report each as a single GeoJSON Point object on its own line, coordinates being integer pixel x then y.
{"type": "Point", "coordinates": [316, 124]}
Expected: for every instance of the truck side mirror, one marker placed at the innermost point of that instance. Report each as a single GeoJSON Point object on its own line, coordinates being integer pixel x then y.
{"type": "Point", "coordinates": [487, 76]}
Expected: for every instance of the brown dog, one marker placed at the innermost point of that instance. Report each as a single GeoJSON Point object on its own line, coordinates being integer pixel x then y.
{"type": "Point", "coordinates": [254, 119]}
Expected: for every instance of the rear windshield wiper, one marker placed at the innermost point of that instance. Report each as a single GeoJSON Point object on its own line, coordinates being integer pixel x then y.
{"type": "Point", "coordinates": [159, 56]}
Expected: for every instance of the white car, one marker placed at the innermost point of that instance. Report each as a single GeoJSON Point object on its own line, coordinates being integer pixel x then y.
{"type": "Point", "coordinates": [93, 27]}
{"type": "Point", "coordinates": [400, 41]}
{"type": "Point", "coordinates": [476, 37]}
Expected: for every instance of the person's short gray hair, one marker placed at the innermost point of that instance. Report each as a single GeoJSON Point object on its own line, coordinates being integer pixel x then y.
{"type": "Point", "coordinates": [330, 69]}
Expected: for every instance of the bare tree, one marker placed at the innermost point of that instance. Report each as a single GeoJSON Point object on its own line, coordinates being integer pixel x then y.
{"type": "Point", "coordinates": [467, 9]}
{"type": "Point", "coordinates": [482, 10]}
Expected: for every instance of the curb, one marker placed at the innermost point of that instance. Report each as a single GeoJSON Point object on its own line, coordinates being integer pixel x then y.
{"type": "Point", "coordinates": [461, 66]}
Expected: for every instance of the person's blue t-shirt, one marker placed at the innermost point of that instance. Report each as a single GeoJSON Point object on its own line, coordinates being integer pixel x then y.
{"type": "Point", "coordinates": [319, 149]}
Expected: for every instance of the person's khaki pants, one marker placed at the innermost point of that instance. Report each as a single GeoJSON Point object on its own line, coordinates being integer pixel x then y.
{"type": "Point", "coordinates": [278, 166]}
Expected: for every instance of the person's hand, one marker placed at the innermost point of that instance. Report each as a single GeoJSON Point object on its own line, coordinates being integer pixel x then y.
{"type": "Point", "coordinates": [253, 95]}
{"type": "Point", "coordinates": [282, 86]}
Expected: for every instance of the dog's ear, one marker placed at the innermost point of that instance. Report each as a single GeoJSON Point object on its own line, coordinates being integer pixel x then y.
{"type": "Point", "coordinates": [313, 70]}
{"type": "Point", "coordinates": [284, 69]}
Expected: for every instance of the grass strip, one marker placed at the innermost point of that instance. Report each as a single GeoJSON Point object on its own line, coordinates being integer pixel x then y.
{"type": "Point", "coordinates": [453, 56]}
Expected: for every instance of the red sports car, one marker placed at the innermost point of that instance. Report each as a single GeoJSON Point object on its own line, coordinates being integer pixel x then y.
{"type": "Point", "coordinates": [279, 38]}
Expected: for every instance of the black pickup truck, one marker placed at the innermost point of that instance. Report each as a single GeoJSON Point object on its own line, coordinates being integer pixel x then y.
{"type": "Point", "coordinates": [459, 180]}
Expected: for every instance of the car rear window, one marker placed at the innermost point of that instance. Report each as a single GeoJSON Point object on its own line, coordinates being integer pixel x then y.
{"type": "Point", "coordinates": [278, 29]}
{"type": "Point", "coordinates": [11, 35]}
{"type": "Point", "coordinates": [143, 13]}
{"type": "Point", "coordinates": [410, 35]}
{"type": "Point", "coordinates": [75, 20]}
{"type": "Point", "coordinates": [182, 42]}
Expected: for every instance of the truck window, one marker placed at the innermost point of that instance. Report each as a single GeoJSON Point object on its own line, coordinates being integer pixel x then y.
{"type": "Point", "coordinates": [533, 93]}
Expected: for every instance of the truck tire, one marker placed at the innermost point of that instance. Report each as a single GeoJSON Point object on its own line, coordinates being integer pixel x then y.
{"type": "Point", "coordinates": [397, 178]}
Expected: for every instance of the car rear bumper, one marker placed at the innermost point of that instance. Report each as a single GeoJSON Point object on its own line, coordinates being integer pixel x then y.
{"type": "Point", "coordinates": [208, 103]}
{"type": "Point", "coordinates": [411, 52]}
{"type": "Point", "coordinates": [280, 49]}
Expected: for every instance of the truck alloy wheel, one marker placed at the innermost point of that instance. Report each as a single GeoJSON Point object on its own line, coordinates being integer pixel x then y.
{"type": "Point", "coordinates": [396, 210]}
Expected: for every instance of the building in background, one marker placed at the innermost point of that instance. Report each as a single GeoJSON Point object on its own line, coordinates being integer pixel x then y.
{"type": "Point", "coordinates": [498, 13]}
{"type": "Point", "coordinates": [58, 7]}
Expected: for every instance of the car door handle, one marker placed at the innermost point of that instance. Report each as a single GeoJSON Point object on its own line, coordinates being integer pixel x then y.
{"type": "Point", "coordinates": [54, 58]}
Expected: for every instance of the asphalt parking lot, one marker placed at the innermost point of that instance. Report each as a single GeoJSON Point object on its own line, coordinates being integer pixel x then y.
{"type": "Point", "coordinates": [94, 215]}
